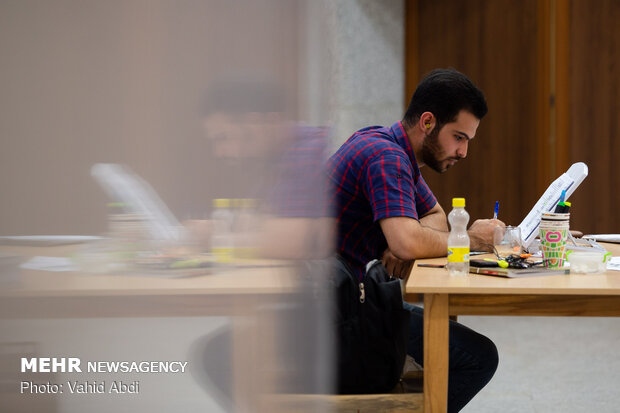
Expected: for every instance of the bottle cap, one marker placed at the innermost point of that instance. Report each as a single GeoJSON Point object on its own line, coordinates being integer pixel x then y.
{"type": "Point", "coordinates": [458, 202]}
{"type": "Point", "coordinates": [221, 203]}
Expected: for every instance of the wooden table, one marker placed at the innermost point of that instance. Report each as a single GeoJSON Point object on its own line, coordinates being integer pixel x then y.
{"type": "Point", "coordinates": [236, 291]}
{"type": "Point", "coordinates": [557, 295]}
{"type": "Point", "coordinates": [212, 291]}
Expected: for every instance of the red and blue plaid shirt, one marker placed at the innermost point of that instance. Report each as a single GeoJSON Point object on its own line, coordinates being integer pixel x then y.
{"type": "Point", "coordinates": [301, 184]}
{"type": "Point", "coordinates": [374, 175]}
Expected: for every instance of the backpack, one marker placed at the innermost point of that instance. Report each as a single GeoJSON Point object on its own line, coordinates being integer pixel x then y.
{"type": "Point", "coordinates": [372, 329]}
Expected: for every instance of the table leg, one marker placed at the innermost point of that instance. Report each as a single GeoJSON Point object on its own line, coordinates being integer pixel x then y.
{"type": "Point", "coordinates": [436, 335]}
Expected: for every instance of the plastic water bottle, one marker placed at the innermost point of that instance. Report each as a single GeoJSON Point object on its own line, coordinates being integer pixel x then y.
{"type": "Point", "coordinates": [458, 240]}
{"type": "Point", "coordinates": [222, 239]}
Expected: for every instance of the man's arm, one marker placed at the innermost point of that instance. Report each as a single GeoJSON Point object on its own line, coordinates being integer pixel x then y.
{"type": "Point", "coordinates": [297, 238]}
{"type": "Point", "coordinates": [409, 239]}
{"type": "Point", "coordinates": [435, 218]}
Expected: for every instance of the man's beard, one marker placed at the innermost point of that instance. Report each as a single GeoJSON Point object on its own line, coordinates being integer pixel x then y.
{"type": "Point", "coordinates": [432, 153]}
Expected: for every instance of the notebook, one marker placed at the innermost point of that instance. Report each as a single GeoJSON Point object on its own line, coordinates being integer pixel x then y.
{"type": "Point", "coordinates": [518, 272]}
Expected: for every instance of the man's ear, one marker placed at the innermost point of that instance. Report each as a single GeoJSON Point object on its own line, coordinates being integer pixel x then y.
{"type": "Point", "coordinates": [427, 122]}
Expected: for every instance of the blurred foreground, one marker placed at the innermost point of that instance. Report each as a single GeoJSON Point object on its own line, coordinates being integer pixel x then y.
{"type": "Point", "coordinates": [179, 150]}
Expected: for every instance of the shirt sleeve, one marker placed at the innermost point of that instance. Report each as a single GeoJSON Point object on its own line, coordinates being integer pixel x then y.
{"type": "Point", "coordinates": [301, 183]}
{"type": "Point", "coordinates": [424, 198]}
{"type": "Point", "coordinates": [390, 188]}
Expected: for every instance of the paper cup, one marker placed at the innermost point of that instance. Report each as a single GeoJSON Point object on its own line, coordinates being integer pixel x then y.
{"type": "Point", "coordinates": [553, 236]}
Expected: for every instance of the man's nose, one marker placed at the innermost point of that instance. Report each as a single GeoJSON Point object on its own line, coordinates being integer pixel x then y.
{"type": "Point", "coordinates": [461, 151]}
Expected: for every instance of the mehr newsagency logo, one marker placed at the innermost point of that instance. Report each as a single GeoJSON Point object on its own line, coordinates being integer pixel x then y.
{"type": "Point", "coordinates": [75, 365]}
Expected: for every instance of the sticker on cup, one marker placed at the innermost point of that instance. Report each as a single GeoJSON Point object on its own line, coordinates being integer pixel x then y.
{"type": "Point", "coordinates": [553, 234]}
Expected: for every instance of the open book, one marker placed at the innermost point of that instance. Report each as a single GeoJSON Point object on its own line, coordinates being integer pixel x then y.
{"type": "Point", "coordinates": [568, 181]}
{"type": "Point", "coordinates": [137, 196]}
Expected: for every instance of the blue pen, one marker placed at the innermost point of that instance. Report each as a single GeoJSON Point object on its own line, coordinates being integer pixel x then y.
{"type": "Point", "coordinates": [563, 195]}
{"type": "Point", "coordinates": [496, 210]}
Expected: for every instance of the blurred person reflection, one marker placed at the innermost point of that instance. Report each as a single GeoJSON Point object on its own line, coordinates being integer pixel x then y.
{"type": "Point", "coordinates": [259, 153]}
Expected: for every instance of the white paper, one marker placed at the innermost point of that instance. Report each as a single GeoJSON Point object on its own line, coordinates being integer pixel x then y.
{"type": "Point", "coordinates": [55, 264]}
{"type": "Point", "coordinates": [614, 264]}
{"type": "Point", "coordinates": [604, 237]}
{"type": "Point", "coordinates": [568, 181]}
{"type": "Point", "coordinates": [122, 185]}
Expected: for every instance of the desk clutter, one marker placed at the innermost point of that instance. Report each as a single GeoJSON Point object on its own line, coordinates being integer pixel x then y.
{"type": "Point", "coordinates": [556, 246]}
{"type": "Point", "coordinates": [129, 247]}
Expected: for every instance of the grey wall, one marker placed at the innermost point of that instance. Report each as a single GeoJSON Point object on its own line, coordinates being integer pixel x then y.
{"type": "Point", "coordinates": [367, 46]}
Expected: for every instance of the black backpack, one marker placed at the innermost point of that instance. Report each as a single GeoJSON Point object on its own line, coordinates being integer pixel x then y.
{"type": "Point", "coordinates": [372, 329]}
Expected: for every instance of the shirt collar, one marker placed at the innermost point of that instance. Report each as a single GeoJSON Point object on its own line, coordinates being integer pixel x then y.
{"type": "Point", "coordinates": [398, 131]}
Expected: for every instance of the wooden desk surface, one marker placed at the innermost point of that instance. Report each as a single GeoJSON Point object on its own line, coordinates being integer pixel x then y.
{"type": "Point", "coordinates": [260, 280]}
{"type": "Point", "coordinates": [214, 291]}
{"type": "Point", "coordinates": [262, 277]}
{"type": "Point", "coordinates": [437, 280]}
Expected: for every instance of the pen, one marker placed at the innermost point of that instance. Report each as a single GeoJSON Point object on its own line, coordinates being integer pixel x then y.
{"type": "Point", "coordinates": [496, 210]}
{"type": "Point", "coordinates": [563, 195]}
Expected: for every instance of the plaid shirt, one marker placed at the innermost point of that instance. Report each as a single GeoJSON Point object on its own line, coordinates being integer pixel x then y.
{"type": "Point", "coordinates": [301, 185]}
{"type": "Point", "coordinates": [374, 175]}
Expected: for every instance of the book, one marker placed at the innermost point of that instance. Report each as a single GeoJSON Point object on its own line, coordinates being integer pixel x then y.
{"type": "Point", "coordinates": [518, 272]}
{"type": "Point", "coordinates": [568, 182]}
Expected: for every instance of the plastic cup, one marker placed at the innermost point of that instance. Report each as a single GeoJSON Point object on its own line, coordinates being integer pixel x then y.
{"type": "Point", "coordinates": [508, 240]}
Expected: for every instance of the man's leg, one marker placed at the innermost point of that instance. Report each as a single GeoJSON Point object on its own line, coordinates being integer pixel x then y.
{"type": "Point", "coordinates": [473, 358]}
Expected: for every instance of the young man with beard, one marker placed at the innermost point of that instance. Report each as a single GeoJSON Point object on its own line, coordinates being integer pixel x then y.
{"type": "Point", "coordinates": [386, 211]}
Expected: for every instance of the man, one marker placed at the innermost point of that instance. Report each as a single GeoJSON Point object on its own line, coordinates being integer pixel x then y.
{"type": "Point", "coordinates": [385, 210]}
{"type": "Point", "coordinates": [259, 152]}
{"type": "Point", "coordinates": [274, 160]}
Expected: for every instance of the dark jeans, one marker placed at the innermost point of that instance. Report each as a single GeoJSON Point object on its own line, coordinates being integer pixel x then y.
{"type": "Point", "coordinates": [473, 358]}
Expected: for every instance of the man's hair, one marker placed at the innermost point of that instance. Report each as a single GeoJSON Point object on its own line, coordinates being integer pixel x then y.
{"type": "Point", "coordinates": [444, 93]}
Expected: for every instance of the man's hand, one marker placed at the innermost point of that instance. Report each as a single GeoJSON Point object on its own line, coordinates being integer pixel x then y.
{"type": "Point", "coordinates": [481, 233]}
{"type": "Point", "coordinates": [395, 266]}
